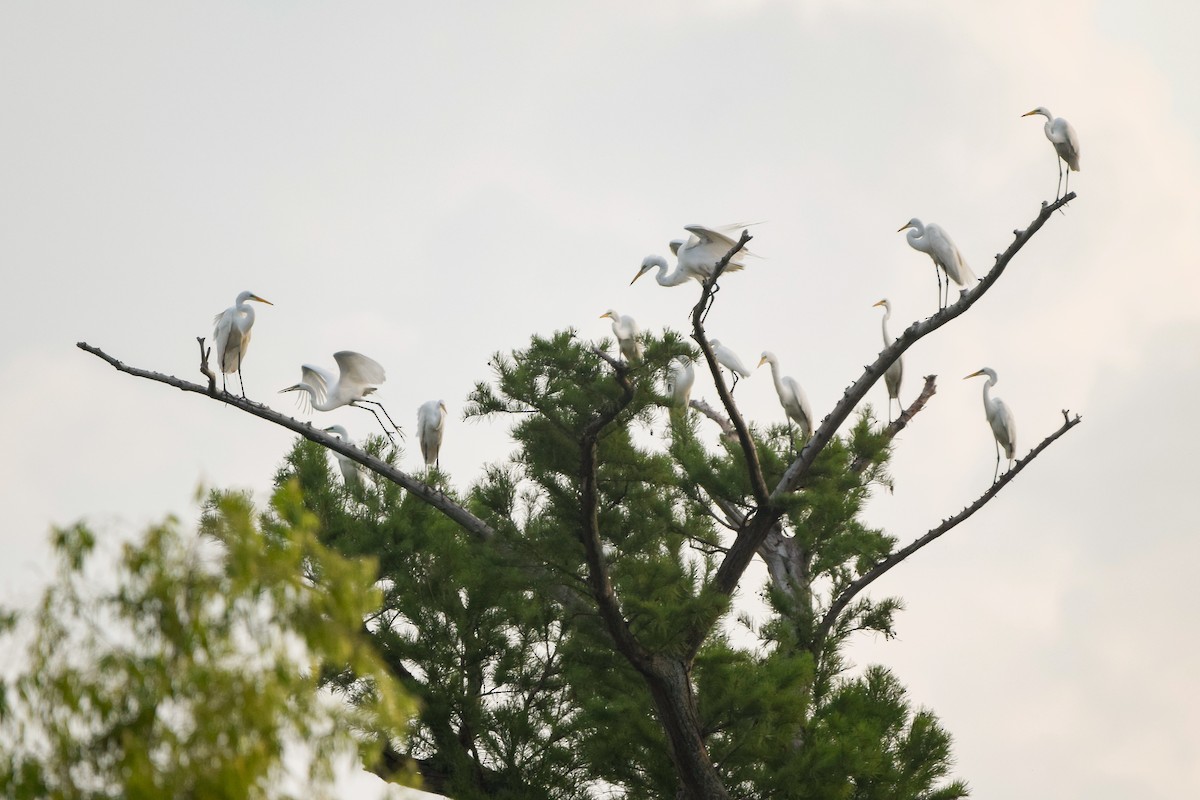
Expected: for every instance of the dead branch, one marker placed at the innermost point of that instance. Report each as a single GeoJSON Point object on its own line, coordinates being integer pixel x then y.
{"type": "Point", "coordinates": [730, 571]}
{"type": "Point", "coordinates": [758, 483]}
{"type": "Point", "coordinates": [879, 569]}
{"type": "Point", "coordinates": [434, 497]}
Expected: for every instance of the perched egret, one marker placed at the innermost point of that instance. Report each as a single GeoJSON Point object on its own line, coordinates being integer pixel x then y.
{"type": "Point", "coordinates": [894, 373]}
{"type": "Point", "coordinates": [431, 423]}
{"type": "Point", "coordinates": [791, 397]}
{"type": "Point", "coordinates": [680, 380]}
{"type": "Point", "coordinates": [627, 332]}
{"type": "Point", "coordinates": [358, 376]}
{"type": "Point", "coordinates": [697, 256]}
{"type": "Point", "coordinates": [231, 336]}
{"type": "Point", "coordinates": [1000, 417]}
{"type": "Point", "coordinates": [1066, 145]}
{"type": "Point", "coordinates": [934, 241]}
{"type": "Point", "coordinates": [351, 469]}
{"type": "Point", "coordinates": [728, 358]}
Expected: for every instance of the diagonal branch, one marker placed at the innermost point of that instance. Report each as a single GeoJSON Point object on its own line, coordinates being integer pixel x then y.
{"type": "Point", "coordinates": [758, 483]}
{"type": "Point", "coordinates": [880, 568]}
{"type": "Point", "coordinates": [901, 422]}
{"type": "Point", "coordinates": [914, 333]}
{"type": "Point", "coordinates": [589, 533]}
{"type": "Point", "coordinates": [735, 562]}
{"type": "Point", "coordinates": [434, 497]}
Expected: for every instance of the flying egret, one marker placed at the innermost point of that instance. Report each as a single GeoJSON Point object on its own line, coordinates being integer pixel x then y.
{"type": "Point", "coordinates": [1000, 417]}
{"type": "Point", "coordinates": [1066, 144]}
{"type": "Point", "coordinates": [351, 469]}
{"type": "Point", "coordinates": [680, 380]}
{"type": "Point", "coordinates": [431, 424]}
{"type": "Point", "coordinates": [358, 376]}
{"type": "Point", "coordinates": [627, 332]}
{"type": "Point", "coordinates": [231, 336]}
{"type": "Point", "coordinates": [934, 241]}
{"type": "Point", "coordinates": [728, 358]}
{"type": "Point", "coordinates": [696, 257]}
{"type": "Point", "coordinates": [791, 397]}
{"type": "Point", "coordinates": [894, 373]}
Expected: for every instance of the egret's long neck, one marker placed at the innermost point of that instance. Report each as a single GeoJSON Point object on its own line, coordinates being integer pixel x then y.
{"type": "Point", "coordinates": [987, 394]}
{"type": "Point", "coordinates": [674, 279]}
{"type": "Point", "coordinates": [245, 316]}
{"type": "Point", "coordinates": [916, 238]}
{"type": "Point", "coordinates": [887, 340]}
{"type": "Point", "coordinates": [775, 376]}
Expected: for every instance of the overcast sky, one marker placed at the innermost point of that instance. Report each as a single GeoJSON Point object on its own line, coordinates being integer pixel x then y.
{"type": "Point", "coordinates": [429, 183]}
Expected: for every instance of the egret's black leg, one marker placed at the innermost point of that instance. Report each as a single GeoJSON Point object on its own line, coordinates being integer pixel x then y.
{"type": "Point", "coordinates": [386, 414]}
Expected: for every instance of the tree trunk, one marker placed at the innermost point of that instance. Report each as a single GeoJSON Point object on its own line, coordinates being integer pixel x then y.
{"type": "Point", "coordinates": [671, 688]}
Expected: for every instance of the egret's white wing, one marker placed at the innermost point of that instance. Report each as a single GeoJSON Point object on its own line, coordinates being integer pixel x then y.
{"type": "Point", "coordinates": [317, 378]}
{"type": "Point", "coordinates": [357, 369]}
{"type": "Point", "coordinates": [801, 412]}
{"type": "Point", "coordinates": [947, 256]}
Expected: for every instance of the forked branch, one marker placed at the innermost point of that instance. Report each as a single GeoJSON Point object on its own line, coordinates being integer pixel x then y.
{"type": "Point", "coordinates": [879, 569]}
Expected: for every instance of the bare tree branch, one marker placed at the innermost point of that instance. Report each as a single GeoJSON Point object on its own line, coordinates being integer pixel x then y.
{"type": "Point", "coordinates": [914, 333]}
{"type": "Point", "coordinates": [901, 422]}
{"type": "Point", "coordinates": [734, 564]}
{"type": "Point", "coordinates": [727, 429]}
{"type": "Point", "coordinates": [204, 370]}
{"type": "Point", "coordinates": [879, 569]}
{"type": "Point", "coordinates": [758, 483]}
{"type": "Point", "coordinates": [589, 532]}
{"type": "Point", "coordinates": [432, 496]}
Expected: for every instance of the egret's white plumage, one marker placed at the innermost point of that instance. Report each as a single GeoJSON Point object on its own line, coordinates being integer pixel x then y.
{"type": "Point", "coordinates": [894, 373]}
{"type": "Point", "coordinates": [933, 240]}
{"type": "Point", "coordinates": [1000, 417]}
{"type": "Point", "coordinates": [431, 424]}
{"type": "Point", "coordinates": [627, 331]}
{"type": "Point", "coordinates": [696, 256]}
{"type": "Point", "coordinates": [681, 377]}
{"type": "Point", "coordinates": [358, 376]}
{"type": "Point", "coordinates": [791, 397]}
{"type": "Point", "coordinates": [729, 359]}
{"type": "Point", "coordinates": [1066, 144]}
{"type": "Point", "coordinates": [351, 469]}
{"type": "Point", "coordinates": [231, 335]}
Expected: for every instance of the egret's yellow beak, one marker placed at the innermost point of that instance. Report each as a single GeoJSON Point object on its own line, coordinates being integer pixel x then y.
{"type": "Point", "coordinates": [261, 300]}
{"type": "Point", "coordinates": [973, 374]}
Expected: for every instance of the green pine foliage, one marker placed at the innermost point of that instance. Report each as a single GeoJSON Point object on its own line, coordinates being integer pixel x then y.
{"type": "Point", "coordinates": [522, 691]}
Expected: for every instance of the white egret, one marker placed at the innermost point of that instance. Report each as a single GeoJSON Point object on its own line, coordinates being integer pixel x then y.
{"type": "Point", "coordinates": [728, 358]}
{"type": "Point", "coordinates": [431, 424]}
{"type": "Point", "coordinates": [894, 373]}
{"type": "Point", "coordinates": [697, 256]}
{"type": "Point", "coordinates": [358, 376]}
{"type": "Point", "coordinates": [934, 241]}
{"type": "Point", "coordinates": [627, 331]}
{"type": "Point", "coordinates": [680, 380]}
{"type": "Point", "coordinates": [1066, 145]}
{"type": "Point", "coordinates": [231, 336]}
{"type": "Point", "coordinates": [351, 469]}
{"type": "Point", "coordinates": [791, 397]}
{"type": "Point", "coordinates": [1000, 417]}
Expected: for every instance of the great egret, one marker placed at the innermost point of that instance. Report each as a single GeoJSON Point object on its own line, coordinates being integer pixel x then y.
{"type": "Point", "coordinates": [231, 336]}
{"type": "Point", "coordinates": [358, 376]}
{"type": "Point", "coordinates": [1066, 144]}
{"type": "Point", "coordinates": [894, 373]}
{"type": "Point", "coordinates": [680, 380]}
{"type": "Point", "coordinates": [431, 424]}
{"type": "Point", "coordinates": [697, 256]}
{"type": "Point", "coordinates": [627, 332]}
{"type": "Point", "coordinates": [791, 397]}
{"type": "Point", "coordinates": [728, 358]}
{"type": "Point", "coordinates": [934, 241]}
{"type": "Point", "coordinates": [351, 469]}
{"type": "Point", "coordinates": [1000, 417]}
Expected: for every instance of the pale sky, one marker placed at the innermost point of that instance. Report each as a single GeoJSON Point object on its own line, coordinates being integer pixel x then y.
{"type": "Point", "coordinates": [429, 183]}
